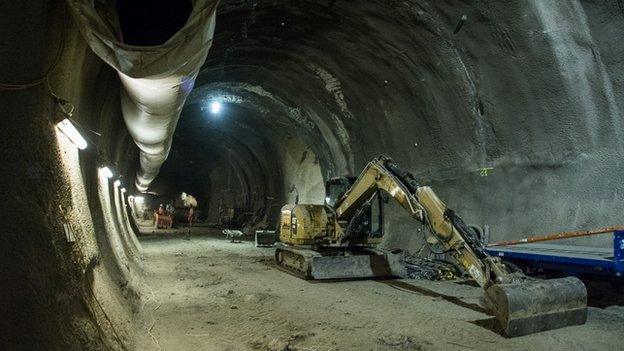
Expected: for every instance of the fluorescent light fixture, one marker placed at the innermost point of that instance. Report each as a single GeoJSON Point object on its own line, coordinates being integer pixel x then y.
{"type": "Point", "coordinates": [106, 172]}
{"type": "Point", "coordinates": [215, 107]}
{"type": "Point", "coordinates": [67, 127]}
{"type": "Point", "coordinates": [117, 182]}
{"type": "Point", "coordinates": [123, 190]}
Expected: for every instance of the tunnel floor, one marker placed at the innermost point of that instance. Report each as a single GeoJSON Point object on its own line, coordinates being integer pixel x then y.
{"type": "Point", "coordinates": [207, 293]}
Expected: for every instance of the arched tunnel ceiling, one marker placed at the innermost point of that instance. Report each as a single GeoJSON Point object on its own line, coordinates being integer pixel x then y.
{"type": "Point", "coordinates": [352, 80]}
{"type": "Point", "coordinates": [332, 73]}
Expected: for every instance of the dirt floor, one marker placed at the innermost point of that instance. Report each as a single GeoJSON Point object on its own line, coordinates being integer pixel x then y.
{"type": "Point", "coordinates": [210, 294]}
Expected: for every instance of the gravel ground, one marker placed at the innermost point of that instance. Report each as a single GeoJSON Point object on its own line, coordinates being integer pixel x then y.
{"type": "Point", "coordinates": [210, 294]}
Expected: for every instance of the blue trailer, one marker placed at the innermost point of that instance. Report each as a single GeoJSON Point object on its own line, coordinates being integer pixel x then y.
{"type": "Point", "coordinates": [567, 259]}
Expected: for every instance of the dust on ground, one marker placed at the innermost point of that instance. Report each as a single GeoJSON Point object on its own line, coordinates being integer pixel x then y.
{"type": "Point", "coordinates": [207, 293]}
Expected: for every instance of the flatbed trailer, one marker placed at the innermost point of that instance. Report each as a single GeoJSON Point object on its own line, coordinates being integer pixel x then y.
{"type": "Point", "coordinates": [567, 259]}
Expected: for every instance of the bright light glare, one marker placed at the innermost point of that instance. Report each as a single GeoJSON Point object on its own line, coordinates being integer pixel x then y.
{"type": "Point", "coordinates": [215, 107]}
{"type": "Point", "coordinates": [67, 127]}
{"type": "Point", "coordinates": [117, 182]}
{"type": "Point", "coordinates": [327, 199]}
{"type": "Point", "coordinates": [123, 190]}
{"type": "Point", "coordinates": [106, 172]}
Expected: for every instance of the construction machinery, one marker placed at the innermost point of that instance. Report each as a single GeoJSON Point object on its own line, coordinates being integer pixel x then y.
{"type": "Point", "coordinates": [339, 240]}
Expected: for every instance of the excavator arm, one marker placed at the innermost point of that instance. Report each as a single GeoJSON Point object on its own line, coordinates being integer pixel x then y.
{"type": "Point", "coordinates": [522, 305]}
{"type": "Point", "coordinates": [423, 205]}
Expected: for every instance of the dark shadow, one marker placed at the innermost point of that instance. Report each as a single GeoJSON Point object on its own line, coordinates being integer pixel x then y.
{"type": "Point", "coordinates": [487, 323]}
{"type": "Point", "coordinates": [468, 283]}
{"type": "Point", "coordinates": [401, 285]}
{"type": "Point", "coordinates": [490, 324]}
{"type": "Point", "coordinates": [147, 23]}
{"type": "Point", "coordinates": [604, 292]}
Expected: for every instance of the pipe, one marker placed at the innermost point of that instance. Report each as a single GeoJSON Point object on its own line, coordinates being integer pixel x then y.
{"type": "Point", "coordinates": [557, 236]}
{"type": "Point", "coordinates": [156, 79]}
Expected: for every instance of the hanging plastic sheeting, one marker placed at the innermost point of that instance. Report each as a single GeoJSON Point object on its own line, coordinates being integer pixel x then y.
{"type": "Point", "coordinates": [156, 79]}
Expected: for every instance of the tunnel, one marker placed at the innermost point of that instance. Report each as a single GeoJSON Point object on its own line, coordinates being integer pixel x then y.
{"type": "Point", "coordinates": [511, 111]}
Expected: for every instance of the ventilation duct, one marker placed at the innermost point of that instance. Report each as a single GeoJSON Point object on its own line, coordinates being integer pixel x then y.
{"type": "Point", "coordinates": [156, 79]}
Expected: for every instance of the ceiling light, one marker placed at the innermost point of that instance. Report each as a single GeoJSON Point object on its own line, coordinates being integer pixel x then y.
{"type": "Point", "coordinates": [67, 127]}
{"type": "Point", "coordinates": [215, 107]}
{"type": "Point", "coordinates": [105, 171]}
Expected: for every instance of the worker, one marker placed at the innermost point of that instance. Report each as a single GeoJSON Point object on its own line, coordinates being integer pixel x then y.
{"type": "Point", "coordinates": [190, 215]}
{"type": "Point", "coordinates": [189, 218]}
{"type": "Point", "coordinates": [158, 215]}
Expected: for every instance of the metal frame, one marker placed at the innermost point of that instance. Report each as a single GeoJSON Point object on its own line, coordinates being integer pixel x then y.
{"type": "Point", "coordinates": [539, 257]}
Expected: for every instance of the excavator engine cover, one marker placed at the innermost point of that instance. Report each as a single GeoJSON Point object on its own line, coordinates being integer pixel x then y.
{"type": "Point", "coordinates": [533, 305]}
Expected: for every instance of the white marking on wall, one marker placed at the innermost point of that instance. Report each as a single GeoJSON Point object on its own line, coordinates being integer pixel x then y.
{"type": "Point", "coordinates": [334, 87]}
{"type": "Point", "coordinates": [565, 24]}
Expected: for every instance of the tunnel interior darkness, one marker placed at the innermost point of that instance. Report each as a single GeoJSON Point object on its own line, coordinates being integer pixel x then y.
{"type": "Point", "coordinates": [148, 23]}
{"type": "Point", "coordinates": [514, 119]}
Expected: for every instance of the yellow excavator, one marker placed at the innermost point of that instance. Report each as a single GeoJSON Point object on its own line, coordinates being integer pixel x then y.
{"type": "Point", "coordinates": [338, 240]}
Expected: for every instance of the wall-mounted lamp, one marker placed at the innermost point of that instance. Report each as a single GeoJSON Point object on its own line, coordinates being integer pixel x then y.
{"type": "Point", "coordinates": [105, 171]}
{"type": "Point", "coordinates": [70, 131]}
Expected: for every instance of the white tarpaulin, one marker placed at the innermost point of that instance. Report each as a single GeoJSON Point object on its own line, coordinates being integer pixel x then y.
{"type": "Point", "coordinates": [156, 79]}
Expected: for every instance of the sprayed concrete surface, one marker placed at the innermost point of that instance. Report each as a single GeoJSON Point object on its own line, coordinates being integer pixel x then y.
{"type": "Point", "coordinates": [210, 294]}
{"type": "Point", "coordinates": [530, 90]}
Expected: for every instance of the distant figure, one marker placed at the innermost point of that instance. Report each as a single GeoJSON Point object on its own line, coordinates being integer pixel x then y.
{"type": "Point", "coordinates": [189, 217]}
{"type": "Point", "coordinates": [162, 218]}
{"type": "Point", "coordinates": [158, 213]}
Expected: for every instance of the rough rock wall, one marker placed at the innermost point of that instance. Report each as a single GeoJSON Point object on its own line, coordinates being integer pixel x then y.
{"type": "Point", "coordinates": [301, 173]}
{"type": "Point", "coordinates": [56, 293]}
{"type": "Point", "coordinates": [542, 94]}
{"type": "Point", "coordinates": [529, 91]}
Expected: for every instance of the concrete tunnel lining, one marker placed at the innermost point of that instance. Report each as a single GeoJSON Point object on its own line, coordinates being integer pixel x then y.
{"type": "Point", "coordinates": [341, 81]}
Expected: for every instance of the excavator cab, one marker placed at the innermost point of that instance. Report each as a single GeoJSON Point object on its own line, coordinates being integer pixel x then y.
{"type": "Point", "coordinates": [335, 188]}
{"type": "Point", "coordinates": [368, 225]}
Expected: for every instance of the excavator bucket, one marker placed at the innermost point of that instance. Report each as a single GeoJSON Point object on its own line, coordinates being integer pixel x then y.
{"type": "Point", "coordinates": [536, 305]}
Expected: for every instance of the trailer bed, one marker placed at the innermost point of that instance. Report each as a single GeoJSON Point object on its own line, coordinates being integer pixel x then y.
{"type": "Point", "coordinates": [570, 259]}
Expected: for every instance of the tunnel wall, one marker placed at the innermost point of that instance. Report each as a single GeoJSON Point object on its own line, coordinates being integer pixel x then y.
{"type": "Point", "coordinates": [513, 116]}
{"type": "Point", "coordinates": [301, 169]}
{"type": "Point", "coordinates": [540, 98]}
{"type": "Point", "coordinates": [58, 292]}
